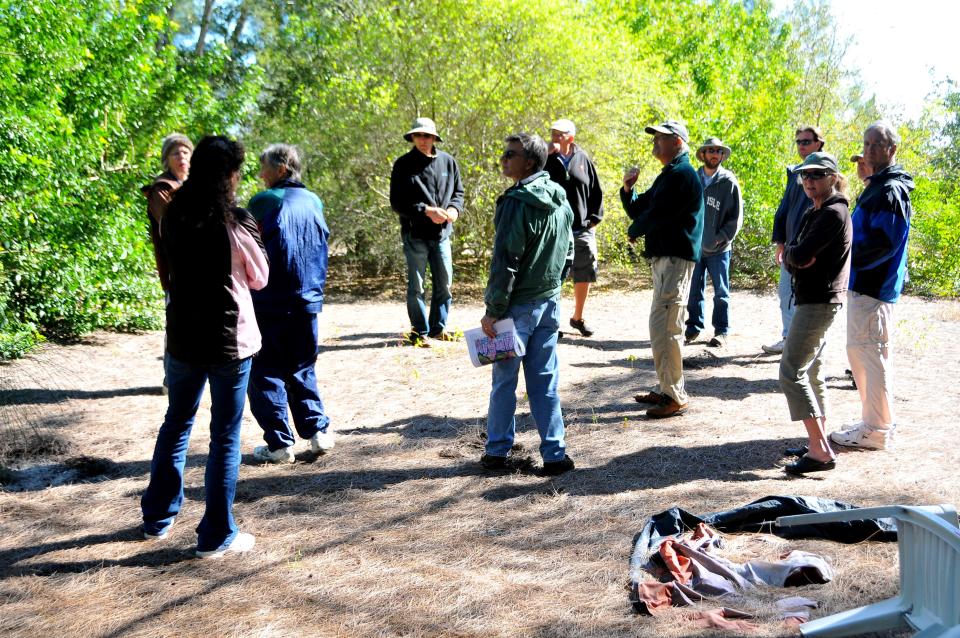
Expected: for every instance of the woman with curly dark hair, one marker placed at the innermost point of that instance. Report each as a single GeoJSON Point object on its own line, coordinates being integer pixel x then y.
{"type": "Point", "coordinates": [215, 256]}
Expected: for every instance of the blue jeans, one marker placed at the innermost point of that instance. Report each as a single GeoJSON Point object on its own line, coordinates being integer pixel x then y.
{"type": "Point", "coordinates": [283, 372]}
{"type": "Point", "coordinates": [718, 266]}
{"type": "Point", "coordinates": [785, 291]}
{"type": "Point", "coordinates": [537, 323]}
{"type": "Point", "coordinates": [420, 253]}
{"type": "Point", "coordinates": [164, 495]}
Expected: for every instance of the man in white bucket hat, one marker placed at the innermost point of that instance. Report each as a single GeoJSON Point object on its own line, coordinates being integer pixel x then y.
{"type": "Point", "coordinates": [427, 194]}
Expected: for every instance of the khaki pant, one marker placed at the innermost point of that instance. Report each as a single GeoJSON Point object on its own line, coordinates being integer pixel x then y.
{"type": "Point", "coordinates": [800, 379]}
{"type": "Point", "coordinates": [671, 285]}
{"type": "Point", "coordinates": [870, 350]}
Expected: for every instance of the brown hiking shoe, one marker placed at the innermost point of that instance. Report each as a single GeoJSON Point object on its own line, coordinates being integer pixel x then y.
{"type": "Point", "coordinates": [444, 336]}
{"type": "Point", "coordinates": [650, 397]}
{"type": "Point", "coordinates": [667, 407]}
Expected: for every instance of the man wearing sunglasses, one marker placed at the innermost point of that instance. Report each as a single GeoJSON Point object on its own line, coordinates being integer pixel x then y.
{"type": "Point", "coordinates": [786, 221]}
{"type": "Point", "coordinates": [669, 215]}
{"type": "Point", "coordinates": [723, 216]}
{"type": "Point", "coordinates": [878, 268]}
{"type": "Point", "coordinates": [427, 194]}
{"type": "Point", "coordinates": [532, 244]}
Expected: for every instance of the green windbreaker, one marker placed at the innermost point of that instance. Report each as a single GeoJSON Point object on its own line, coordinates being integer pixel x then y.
{"type": "Point", "coordinates": [533, 242]}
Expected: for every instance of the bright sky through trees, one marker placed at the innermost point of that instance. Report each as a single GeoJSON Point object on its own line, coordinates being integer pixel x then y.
{"type": "Point", "coordinates": [902, 50]}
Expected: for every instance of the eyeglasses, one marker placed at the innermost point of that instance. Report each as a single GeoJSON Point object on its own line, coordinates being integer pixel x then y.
{"type": "Point", "coordinates": [805, 142]}
{"type": "Point", "coordinates": [714, 151]}
{"type": "Point", "coordinates": [509, 153]}
{"type": "Point", "coordinates": [814, 175]}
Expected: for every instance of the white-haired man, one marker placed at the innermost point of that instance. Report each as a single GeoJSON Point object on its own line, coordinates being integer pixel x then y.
{"type": "Point", "coordinates": [571, 167]}
{"type": "Point", "coordinates": [878, 268]}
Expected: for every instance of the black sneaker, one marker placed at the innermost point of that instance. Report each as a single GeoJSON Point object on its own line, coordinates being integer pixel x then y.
{"type": "Point", "coordinates": [553, 468]}
{"type": "Point", "coordinates": [490, 462]}
{"type": "Point", "coordinates": [581, 325]}
{"type": "Point", "coordinates": [690, 337]}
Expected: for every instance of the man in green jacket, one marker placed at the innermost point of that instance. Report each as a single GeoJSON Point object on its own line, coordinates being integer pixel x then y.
{"type": "Point", "coordinates": [531, 247]}
{"type": "Point", "coordinates": [670, 215]}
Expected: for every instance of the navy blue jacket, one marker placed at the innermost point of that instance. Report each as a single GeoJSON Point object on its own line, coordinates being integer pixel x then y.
{"type": "Point", "coordinates": [786, 221]}
{"type": "Point", "coordinates": [295, 236]}
{"type": "Point", "coordinates": [669, 213]}
{"type": "Point", "coordinates": [881, 227]}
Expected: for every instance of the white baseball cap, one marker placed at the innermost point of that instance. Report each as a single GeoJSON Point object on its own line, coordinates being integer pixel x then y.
{"type": "Point", "coordinates": [564, 126]}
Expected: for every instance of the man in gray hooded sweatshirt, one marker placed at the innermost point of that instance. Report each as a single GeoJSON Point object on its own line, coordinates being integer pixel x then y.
{"type": "Point", "coordinates": [723, 217]}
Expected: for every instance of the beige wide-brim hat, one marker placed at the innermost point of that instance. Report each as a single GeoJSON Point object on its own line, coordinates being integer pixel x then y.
{"type": "Point", "coordinates": [422, 125]}
{"type": "Point", "coordinates": [710, 143]}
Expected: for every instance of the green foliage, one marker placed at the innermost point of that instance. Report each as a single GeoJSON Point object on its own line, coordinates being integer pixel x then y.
{"type": "Point", "coordinates": [89, 90]}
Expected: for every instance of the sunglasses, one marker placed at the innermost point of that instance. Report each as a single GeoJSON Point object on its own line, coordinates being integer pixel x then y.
{"type": "Point", "coordinates": [713, 151]}
{"type": "Point", "coordinates": [509, 153]}
{"type": "Point", "coordinates": [805, 142]}
{"type": "Point", "coordinates": [814, 175]}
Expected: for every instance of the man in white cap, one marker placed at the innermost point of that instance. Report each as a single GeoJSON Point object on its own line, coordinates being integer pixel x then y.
{"type": "Point", "coordinates": [570, 166]}
{"type": "Point", "coordinates": [670, 216]}
{"type": "Point", "coordinates": [426, 191]}
{"type": "Point", "coordinates": [723, 216]}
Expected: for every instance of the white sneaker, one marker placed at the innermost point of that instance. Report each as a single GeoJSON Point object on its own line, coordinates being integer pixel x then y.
{"type": "Point", "coordinates": [158, 537]}
{"type": "Point", "coordinates": [283, 455]}
{"type": "Point", "coordinates": [776, 348]}
{"type": "Point", "coordinates": [856, 425]}
{"type": "Point", "coordinates": [321, 442]}
{"type": "Point", "coordinates": [862, 437]}
{"type": "Point", "coordinates": [242, 542]}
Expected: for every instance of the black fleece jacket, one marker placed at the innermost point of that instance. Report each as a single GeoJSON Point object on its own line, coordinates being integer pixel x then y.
{"type": "Point", "coordinates": [824, 233]}
{"type": "Point", "coordinates": [418, 181]}
{"type": "Point", "coordinates": [580, 182]}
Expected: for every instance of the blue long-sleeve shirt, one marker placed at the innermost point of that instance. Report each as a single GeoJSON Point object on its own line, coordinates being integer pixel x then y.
{"type": "Point", "coordinates": [881, 228]}
{"type": "Point", "coordinates": [295, 236]}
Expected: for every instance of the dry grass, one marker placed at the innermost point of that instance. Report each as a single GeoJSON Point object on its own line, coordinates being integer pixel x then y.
{"type": "Point", "coordinates": [397, 532]}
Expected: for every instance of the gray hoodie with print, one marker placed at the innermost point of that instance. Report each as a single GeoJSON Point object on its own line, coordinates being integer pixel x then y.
{"type": "Point", "coordinates": [723, 211]}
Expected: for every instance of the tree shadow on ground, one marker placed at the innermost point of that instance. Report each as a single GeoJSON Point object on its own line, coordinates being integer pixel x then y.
{"type": "Point", "coordinates": [42, 396]}
{"type": "Point", "coordinates": [81, 469]}
{"type": "Point", "coordinates": [376, 340]}
{"type": "Point", "coordinates": [730, 388]}
{"type": "Point", "coordinates": [425, 426]}
{"type": "Point", "coordinates": [297, 482]}
{"type": "Point", "coordinates": [156, 556]}
{"type": "Point", "coordinates": [659, 467]}
{"type": "Point", "coordinates": [603, 344]}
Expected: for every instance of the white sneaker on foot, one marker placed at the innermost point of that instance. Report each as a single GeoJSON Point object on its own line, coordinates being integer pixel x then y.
{"type": "Point", "coordinates": [321, 442]}
{"type": "Point", "coordinates": [242, 542]}
{"type": "Point", "coordinates": [147, 536]}
{"type": "Point", "coordinates": [283, 455]}
{"type": "Point", "coordinates": [776, 348]}
{"type": "Point", "coordinates": [862, 437]}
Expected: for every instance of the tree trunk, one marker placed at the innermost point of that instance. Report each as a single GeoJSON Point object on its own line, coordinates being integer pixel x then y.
{"type": "Point", "coordinates": [204, 26]}
{"type": "Point", "coordinates": [238, 27]}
